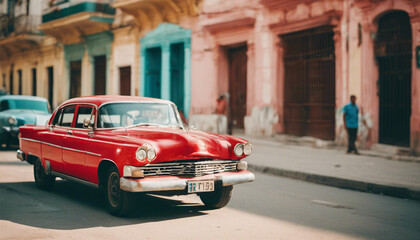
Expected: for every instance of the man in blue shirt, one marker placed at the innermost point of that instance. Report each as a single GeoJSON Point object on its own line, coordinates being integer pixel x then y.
{"type": "Point", "coordinates": [351, 123]}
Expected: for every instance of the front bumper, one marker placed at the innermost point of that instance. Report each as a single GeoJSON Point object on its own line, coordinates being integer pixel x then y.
{"type": "Point", "coordinates": [172, 183]}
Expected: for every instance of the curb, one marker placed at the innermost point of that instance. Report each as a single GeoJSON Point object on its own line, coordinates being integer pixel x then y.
{"type": "Point", "coordinates": [321, 144]}
{"type": "Point", "coordinates": [393, 191]}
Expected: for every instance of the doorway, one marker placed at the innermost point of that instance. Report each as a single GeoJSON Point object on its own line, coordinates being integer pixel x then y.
{"type": "Point", "coordinates": [309, 83]}
{"type": "Point", "coordinates": [393, 51]}
{"type": "Point", "coordinates": [19, 72]}
{"type": "Point", "coordinates": [50, 71]}
{"type": "Point", "coordinates": [75, 78]}
{"type": "Point", "coordinates": [237, 60]}
{"type": "Point", "coordinates": [11, 80]}
{"type": "Point", "coordinates": [153, 72]}
{"type": "Point", "coordinates": [125, 81]}
{"type": "Point", "coordinates": [100, 75]}
{"type": "Point", "coordinates": [34, 82]}
{"type": "Point", "coordinates": [177, 75]}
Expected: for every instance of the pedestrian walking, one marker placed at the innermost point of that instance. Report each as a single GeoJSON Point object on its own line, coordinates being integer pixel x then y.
{"type": "Point", "coordinates": [351, 123]}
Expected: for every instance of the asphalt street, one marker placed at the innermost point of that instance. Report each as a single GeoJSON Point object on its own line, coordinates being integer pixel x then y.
{"type": "Point", "coordinates": [269, 208]}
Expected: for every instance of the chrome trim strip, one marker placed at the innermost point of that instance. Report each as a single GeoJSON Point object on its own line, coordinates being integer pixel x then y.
{"type": "Point", "coordinates": [50, 144]}
{"type": "Point", "coordinates": [192, 162]}
{"type": "Point", "coordinates": [64, 148]}
{"type": "Point", "coordinates": [94, 154]}
{"type": "Point", "coordinates": [74, 150]}
{"type": "Point", "coordinates": [67, 177]}
{"type": "Point", "coordinates": [29, 139]}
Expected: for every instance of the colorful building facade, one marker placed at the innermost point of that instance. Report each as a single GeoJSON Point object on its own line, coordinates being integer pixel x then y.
{"type": "Point", "coordinates": [280, 66]}
{"type": "Point", "coordinates": [301, 60]}
{"type": "Point", "coordinates": [166, 65]}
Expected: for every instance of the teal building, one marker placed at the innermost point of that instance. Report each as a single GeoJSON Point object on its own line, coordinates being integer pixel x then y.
{"type": "Point", "coordinates": [165, 65]}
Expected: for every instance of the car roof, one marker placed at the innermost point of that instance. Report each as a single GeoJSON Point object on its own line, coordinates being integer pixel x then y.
{"type": "Point", "coordinates": [32, 98]}
{"type": "Point", "coordinates": [99, 100]}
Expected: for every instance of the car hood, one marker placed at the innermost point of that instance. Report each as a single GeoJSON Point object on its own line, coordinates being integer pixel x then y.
{"type": "Point", "coordinates": [32, 117]}
{"type": "Point", "coordinates": [177, 144]}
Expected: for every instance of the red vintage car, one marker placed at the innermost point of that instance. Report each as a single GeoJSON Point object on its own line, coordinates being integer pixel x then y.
{"type": "Point", "coordinates": [133, 144]}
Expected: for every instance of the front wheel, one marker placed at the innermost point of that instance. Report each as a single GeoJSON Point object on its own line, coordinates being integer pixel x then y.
{"type": "Point", "coordinates": [42, 180]}
{"type": "Point", "coordinates": [217, 199]}
{"type": "Point", "coordinates": [117, 200]}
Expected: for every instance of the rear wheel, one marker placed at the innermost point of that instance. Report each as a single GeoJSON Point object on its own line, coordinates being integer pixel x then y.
{"type": "Point", "coordinates": [217, 199]}
{"type": "Point", "coordinates": [117, 200]}
{"type": "Point", "coordinates": [42, 180]}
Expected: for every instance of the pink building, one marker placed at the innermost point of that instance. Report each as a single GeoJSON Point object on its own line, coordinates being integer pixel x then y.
{"type": "Point", "coordinates": [290, 66]}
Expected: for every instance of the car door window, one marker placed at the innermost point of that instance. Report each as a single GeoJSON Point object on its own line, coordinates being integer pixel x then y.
{"type": "Point", "coordinates": [82, 114]}
{"type": "Point", "coordinates": [67, 116]}
{"type": "Point", "coordinates": [57, 117]}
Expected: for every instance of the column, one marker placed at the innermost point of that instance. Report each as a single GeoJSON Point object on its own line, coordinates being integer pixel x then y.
{"type": "Point", "coordinates": [142, 72]}
{"type": "Point", "coordinates": [415, 86]}
{"type": "Point", "coordinates": [370, 79]}
{"type": "Point", "coordinates": [280, 82]}
{"type": "Point", "coordinates": [187, 77]}
{"type": "Point", "coordinates": [165, 72]}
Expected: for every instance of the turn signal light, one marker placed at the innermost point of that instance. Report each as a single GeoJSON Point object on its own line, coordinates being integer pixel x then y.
{"type": "Point", "coordinates": [137, 174]}
{"type": "Point", "coordinates": [242, 166]}
{"type": "Point", "coordinates": [132, 172]}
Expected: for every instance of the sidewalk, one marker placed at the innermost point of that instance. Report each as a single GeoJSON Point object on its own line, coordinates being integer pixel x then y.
{"type": "Point", "coordinates": [333, 167]}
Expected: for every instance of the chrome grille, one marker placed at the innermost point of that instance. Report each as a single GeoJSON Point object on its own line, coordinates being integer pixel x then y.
{"type": "Point", "coordinates": [189, 168]}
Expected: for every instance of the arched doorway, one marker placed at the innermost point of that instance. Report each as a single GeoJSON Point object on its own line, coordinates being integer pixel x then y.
{"type": "Point", "coordinates": [393, 51]}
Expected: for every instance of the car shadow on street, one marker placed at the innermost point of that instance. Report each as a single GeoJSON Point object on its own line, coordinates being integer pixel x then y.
{"type": "Point", "coordinates": [73, 206]}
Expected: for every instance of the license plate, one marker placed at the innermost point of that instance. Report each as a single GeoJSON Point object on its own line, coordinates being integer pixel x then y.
{"type": "Point", "coordinates": [200, 186]}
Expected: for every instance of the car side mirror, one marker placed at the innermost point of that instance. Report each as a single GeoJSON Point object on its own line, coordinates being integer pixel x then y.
{"type": "Point", "coordinates": [87, 123]}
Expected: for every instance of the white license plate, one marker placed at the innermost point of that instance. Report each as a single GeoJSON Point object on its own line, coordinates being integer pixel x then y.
{"type": "Point", "coordinates": [200, 186]}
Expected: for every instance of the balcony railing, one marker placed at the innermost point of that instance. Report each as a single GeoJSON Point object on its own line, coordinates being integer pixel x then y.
{"type": "Point", "coordinates": [19, 25]}
{"type": "Point", "coordinates": [61, 9]}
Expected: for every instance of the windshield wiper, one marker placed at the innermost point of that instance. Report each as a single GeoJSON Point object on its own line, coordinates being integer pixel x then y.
{"type": "Point", "coordinates": [146, 125]}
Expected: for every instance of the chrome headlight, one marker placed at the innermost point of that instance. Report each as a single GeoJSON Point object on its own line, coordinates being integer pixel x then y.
{"type": "Point", "coordinates": [12, 120]}
{"type": "Point", "coordinates": [248, 149]}
{"type": "Point", "coordinates": [144, 152]}
{"type": "Point", "coordinates": [141, 154]}
{"type": "Point", "coordinates": [239, 150]}
{"type": "Point", "coordinates": [151, 154]}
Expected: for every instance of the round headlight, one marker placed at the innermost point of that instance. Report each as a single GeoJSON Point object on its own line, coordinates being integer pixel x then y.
{"type": "Point", "coordinates": [239, 150]}
{"type": "Point", "coordinates": [151, 154]}
{"type": "Point", "coordinates": [12, 120]}
{"type": "Point", "coordinates": [141, 154]}
{"type": "Point", "coordinates": [248, 149]}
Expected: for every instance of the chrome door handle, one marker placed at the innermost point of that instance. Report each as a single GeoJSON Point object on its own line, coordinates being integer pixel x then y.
{"type": "Point", "coordinates": [69, 132]}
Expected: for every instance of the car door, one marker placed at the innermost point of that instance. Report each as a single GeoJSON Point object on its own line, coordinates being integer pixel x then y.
{"type": "Point", "coordinates": [52, 145]}
{"type": "Point", "coordinates": [76, 142]}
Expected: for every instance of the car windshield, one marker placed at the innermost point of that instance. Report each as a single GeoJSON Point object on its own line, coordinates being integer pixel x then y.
{"type": "Point", "coordinates": [138, 113]}
{"type": "Point", "coordinates": [24, 104]}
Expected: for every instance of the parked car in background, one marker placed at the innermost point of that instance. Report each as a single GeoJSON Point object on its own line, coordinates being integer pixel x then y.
{"type": "Point", "coordinates": [16, 111]}
{"type": "Point", "coordinates": [3, 92]}
{"type": "Point", "coordinates": [133, 144]}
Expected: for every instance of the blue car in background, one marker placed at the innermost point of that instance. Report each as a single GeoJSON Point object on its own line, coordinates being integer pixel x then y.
{"type": "Point", "coordinates": [16, 111]}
